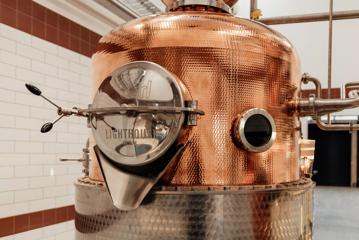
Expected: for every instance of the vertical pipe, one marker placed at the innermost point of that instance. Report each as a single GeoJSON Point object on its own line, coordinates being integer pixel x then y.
{"type": "Point", "coordinates": [354, 157]}
{"type": "Point", "coordinates": [330, 52]}
{"type": "Point", "coordinates": [254, 6]}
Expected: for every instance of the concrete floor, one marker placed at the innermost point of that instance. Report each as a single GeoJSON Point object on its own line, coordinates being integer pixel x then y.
{"type": "Point", "coordinates": [336, 213]}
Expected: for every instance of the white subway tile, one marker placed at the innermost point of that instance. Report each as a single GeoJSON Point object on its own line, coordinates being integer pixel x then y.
{"type": "Point", "coordinates": [7, 70]}
{"type": "Point", "coordinates": [43, 68]}
{"type": "Point", "coordinates": [55, 148]}
{"type": "Point", "coordinates": [65, 201]}
{"type": "Point", "coordinates": [13, 159]}
{"type": "Point", "coordinates": [28, 76]}
{"type": "Point", "coordinates": [14, 34]}
{"type": "Point", "coordinates": [7, 121]}
{"type": "Point", "coordinates": [42, 113]}
{"type": "Point", "coordinates": [79, 128]}
{"type": "Point", "coordinates": [55, 82]}
{"type": "Point", "coordinates": [13, 184]}
{"type": "Point", "coordinates": [69, 55]}
{"type": "Point", "coordinates": [6, 172]}
{"type": "Point", "coordinates": [56, 61]}
{"type": "Point", "coordinates": [79, 68]}
{"type": "Point", "coordinates": [29, 99]}
{"type": "Point", "coordinates": [54, 229]}
{"type": "Point", "coordinates": [30, 52]}
{"type": "Point", "coordinates": [67, 138]}
{"type": "Point", "coordinates": [28, 147]}
{"type": "Point", "coordinates": [75, 169]}
{"type": "Point", "coordinates": [28, 195]}
{"type": "Point", "coordinates": [57, 191]}
{"type": "Point", "coordinates": [70, 225]}
{"type": "Point", "coordinates": [36, 182]}
{"type": "Point", "coordinates": [55, 170]}
{"type": "Point", "coordinates": [38, 159]}
{"type": "Point", "coordinates": [35, 234]}
{"type": "Point", "coordinates": [14, 109]}
{"type": "Point", "coordinates": [12, 84]}
{"type": "Point", "coordinates": [28, 123]}
{"type": "Point", "coordinates": [70, 235]}
{"type": "Point", "coordinates": [86, 61]}
{"type": "Point", "coordinates": [44, 45]}
{"type": "Point", "coordinates": [69, 76]}
{"type": "Point", "coordinates": [6, 197]}
{"type": "Point", "coordinates": [28, 171]}
{"type": "Point", "coordinates": [38, 136]}
{"type": "Point", "coordinates": [7, 44]}
{"type": "Point", "coordinates": [13, 209]}
{"type": "Point", "coordinates": [68, 179]}
{"type": "Point", "coordinates": [38, 205]}
{"type": "Point", "coordinates": [7, 147]}
{"type": "Point", "coordinates": [14, 134]}
{"type": "Point", "coordinates": [14, 59]}
{"type": "Point", "coordinates": [79, 89]}
{"type": "Point", "coordinates": [7, 96]}
{"type": "Point", "coordinates": [76, 148]}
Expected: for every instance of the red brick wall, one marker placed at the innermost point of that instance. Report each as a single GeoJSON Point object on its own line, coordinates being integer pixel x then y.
{"type": "Point", "coordinates": [39, 21]}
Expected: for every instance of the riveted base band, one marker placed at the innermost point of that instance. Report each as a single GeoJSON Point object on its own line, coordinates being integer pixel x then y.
{"type": "Point", "coordinates": [282, 212]}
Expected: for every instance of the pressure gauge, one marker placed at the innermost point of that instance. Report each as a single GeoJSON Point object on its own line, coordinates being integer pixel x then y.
{"type": "Point", "coordinates": [150, 119]}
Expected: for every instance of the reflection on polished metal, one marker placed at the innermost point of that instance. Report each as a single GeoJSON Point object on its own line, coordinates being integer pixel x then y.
{"type": "Point", "coordinates": [279, 212]}
{"type": "Point", "coordinates": [141, 137]}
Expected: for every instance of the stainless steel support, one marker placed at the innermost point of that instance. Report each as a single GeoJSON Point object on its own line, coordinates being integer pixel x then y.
{"type": "Point", "coordinates": [354, 158]}
{"type": "Point", "coordinates": [316, 17]}
{"type": "Point", "coordinates": [330, 52]}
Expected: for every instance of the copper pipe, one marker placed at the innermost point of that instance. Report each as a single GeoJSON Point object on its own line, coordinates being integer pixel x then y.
{"type": "Point", "coordinates": [315, 17]}
{"type": "Point", "coordinates": [306, 78]}
{"type": "Point", "coordinates": [336, 127]}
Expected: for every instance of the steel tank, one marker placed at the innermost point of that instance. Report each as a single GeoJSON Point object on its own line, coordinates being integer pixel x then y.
{"type": "Point", "coordinates": [231, 169]}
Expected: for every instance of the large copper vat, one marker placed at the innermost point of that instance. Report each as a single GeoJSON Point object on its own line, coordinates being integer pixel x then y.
{"type": "Point", "coordinates": [229, 65]}
{"type": "Point", "coordinates": [226, 181]}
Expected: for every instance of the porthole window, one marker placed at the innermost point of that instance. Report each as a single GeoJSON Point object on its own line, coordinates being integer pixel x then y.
{"type": "Point", "coordinates": [255, 130]}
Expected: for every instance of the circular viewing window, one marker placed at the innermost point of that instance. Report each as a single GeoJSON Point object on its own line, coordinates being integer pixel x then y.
{"type": "Point", "coordinates": [257, 130]}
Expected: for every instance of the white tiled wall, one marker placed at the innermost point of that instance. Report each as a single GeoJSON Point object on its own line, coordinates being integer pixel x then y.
{"type": "Point", "coordinates": [31, 176]}
{"type": "Point", "coordinates": [61, 231]}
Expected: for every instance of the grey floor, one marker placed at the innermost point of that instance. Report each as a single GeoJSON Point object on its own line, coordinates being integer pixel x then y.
{"type": "Point", "coordinates": [336, 213]}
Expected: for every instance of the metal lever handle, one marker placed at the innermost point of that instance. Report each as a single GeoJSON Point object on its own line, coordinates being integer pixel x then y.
{"type": "Point", "coordinates": [72, 160]}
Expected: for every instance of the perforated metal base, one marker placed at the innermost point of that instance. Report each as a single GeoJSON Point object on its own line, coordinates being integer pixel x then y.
{"type": "Point", "coordinates": [255, 212]}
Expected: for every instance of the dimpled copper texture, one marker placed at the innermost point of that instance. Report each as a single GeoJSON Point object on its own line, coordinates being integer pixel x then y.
{"type": "Point", "coordinates": [229, 65]}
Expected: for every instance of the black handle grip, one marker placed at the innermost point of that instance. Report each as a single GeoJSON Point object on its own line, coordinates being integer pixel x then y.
{"type": "Point", "coordinates": [47, 127]}
{"type": "Point", "coordinates": [34, 90]}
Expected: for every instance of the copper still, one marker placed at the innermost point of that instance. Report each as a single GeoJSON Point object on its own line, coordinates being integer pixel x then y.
{"type": "Point", "coordinates": [195, 121]}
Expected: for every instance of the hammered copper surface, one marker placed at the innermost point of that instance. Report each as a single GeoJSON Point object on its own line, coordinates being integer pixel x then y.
{"type": "Point", "coordinates": [229, 65]}
{"type": "Point", "coordinates": [276, 213]}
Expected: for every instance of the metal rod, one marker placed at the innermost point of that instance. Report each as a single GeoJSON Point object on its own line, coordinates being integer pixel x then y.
{"type": "Point", "coordinates": [316, 17]}
{"type": "Point", "coordinates": [330, 52]}
{"type": "Point", "coordinates": [354, 157]}
{"type": "Point", "coordinates": [253, 7]}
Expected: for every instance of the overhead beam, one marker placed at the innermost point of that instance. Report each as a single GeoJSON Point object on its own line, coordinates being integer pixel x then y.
{"type": "Point", "coordinates": [305, 18]}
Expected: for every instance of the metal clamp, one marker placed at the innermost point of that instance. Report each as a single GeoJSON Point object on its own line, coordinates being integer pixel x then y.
{"type": "Point", "coordinates": [191, 111]}
{"type": "Point", "coordinates": [211, 3]}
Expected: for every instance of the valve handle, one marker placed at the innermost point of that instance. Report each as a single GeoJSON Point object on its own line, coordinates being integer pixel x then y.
{"type": "Point", "coordinates": [34, 90]}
